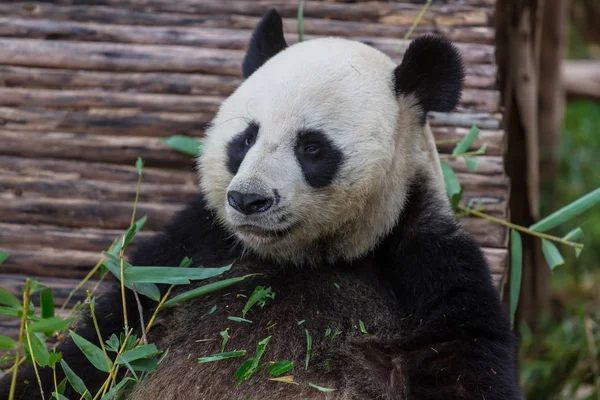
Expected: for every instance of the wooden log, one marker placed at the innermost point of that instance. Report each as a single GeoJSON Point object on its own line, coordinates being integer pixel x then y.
{"type": "Point", "coordinates": [105, 121]}
{"type": "Point", "coordinates": [234, 39]}
{"type": "Point", "coordinates": [581, 79]}
{"type": "Point", "coordinates": [482, 120]}
{"type": "Point", "coordinates": [142, 82]}
{"type": "Point", "coordinates": [32, 237]}
{"type": "Point", "coordinates": [119, 57]}
{"type": "Point", "coordinates": [85, 213]}
{"type": "Point", "coordinates": [137, 57]}
{"type": "Point", "coordinates": [69, 169]}
{"type": "Point", "coordinates": [399, 13]}
{"type": "Point", "coordinates": [315, 26]}
{"type": "Point", "coordinates": [81, 99]}
{"type": "Point", "coordinates": [15, 186]}
{"type": "Point", "coordinates": [491, 138]}
{"type": "Point", "coordinates": [474, 100]}
{"type": "Point", "coordinates": [123, 150]}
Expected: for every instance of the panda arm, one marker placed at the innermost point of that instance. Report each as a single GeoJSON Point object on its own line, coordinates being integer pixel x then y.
{"type": "Point", "coordinates": [457, 343]}
{"type": "Point", "coordinates": [192, 233]}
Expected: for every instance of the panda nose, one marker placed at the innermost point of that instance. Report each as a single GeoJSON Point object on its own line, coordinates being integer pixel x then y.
{"type": "Point", "coordinates": [248, 203]}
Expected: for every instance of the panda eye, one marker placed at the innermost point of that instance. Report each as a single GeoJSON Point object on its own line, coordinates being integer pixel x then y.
{"type": "Point", "coordinates": [249, 141]}
{"type": "Point", "coordinates": [311, 149]}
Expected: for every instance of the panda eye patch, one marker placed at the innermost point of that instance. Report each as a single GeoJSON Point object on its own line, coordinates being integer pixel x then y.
{"type": "Point", "coordinates": [319, 158]}
{"type": "Point", "coordinates": [239, 146]}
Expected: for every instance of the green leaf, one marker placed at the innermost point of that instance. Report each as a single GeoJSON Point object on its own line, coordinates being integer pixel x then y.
{"type": "Point", "coordinates": [38, 349]}
{"type": "Point", "coordinates": [472, 163]}
{"type": "Point", "coordinates": [35, 286]}
{"type": "Point", "coordinates": [58, 396]}
{"type": "Point", "coordinates": [112, 343]}
{"type": "Point", "coordinates": [54, 358]}
{"type": "Point", "coordinates": [576, 235]}
{"type": "Point", "coordinates": [62, 386]}
{"type": "Point", "coordinates": [301, 21]}
{"type": "Point", "coordinates": [113, 264]}
{"type": "Point", "coordinates": [49, 325]}
{"type": "Point", "coordinates": [203, 290]}
{"type": "Point", "coordinates": [3, 256]}
{"type": "Point", "coordinates": [259, 295]}
{"type": "Point", "coordinates": [222, 356]}
{"type": "Point", "coordinates": [9, 299]}
{"type": "Point", "coordinates": [248, 369]}
{"type": "Point", "coordinates": [280, 367]}
{"type": "Point", "coordinates": [551, 253]}
{"type": "Point", "coordinates": [363, 330]}
{"type": "Point", "coordinates": [47, 303]}
{"type": "Point", "coordinates": [568, 212]}
{"type": "Point", "coordinates": [321, 388]}
{"type": "Point", "coordinates": [145, 364]}
{"type": "Point", "coordinates": [7, 342]}
{"type": "Point", "coordinates": [239, 319]}
{"type": "Point", "coordinates": [139, 165]}
{"type": "Point", "coordinates": [308, 348]}
{"type": "Point", "coordinates": [184, 144]}
{"type": "Point", "coordinates": [171, 275]}
{"type": "Point", "coordinates": [92, 352]}
{"type": "Point", "coordinates": [466, 142]}
{"type": "Point", "coordinates": [453, 188]}
{"type": "Point", "coordinates": [225, 335]}
{"type": "Point", "coordinates": [143, 351]}
{"type": "Point", "coordinates": [75, 380]}
{"type": "Point", "coordinates": [5, 360]}
{"type": "Point", "coordinates": [516, 271]}
{"type": "Point", "coordinates": [129, 235]}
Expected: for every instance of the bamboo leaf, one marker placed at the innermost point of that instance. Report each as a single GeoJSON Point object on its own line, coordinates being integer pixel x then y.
{"type": "Point", "coordinates": [453, 188]}
{"type": "Point", "coordinates": [551, 254]}
{"type": "Point", "coordinates": [9, 299]}
{"type": "Point", "coordinates": [251, 366]}
{"type": "Point", "coordinates": [285, 379]}
{"type": "Point", "coordinates": [47, 303]}
{"type": "Point", "coordinates": [113, 392]}
{"type": "Point", "coordinates": [516, 271]}
{"type": "Point", "coordinates": [38, 349]}
{"type": "Point", "coordinates": [568, 212]}
{"type": "Point", "coordinates": [75, 380]}
{"type": "Point", "coordinates": [466, 142]}
{"type": "Point", "coordinates": [576, 235]}
{"type": "Point", "coordinates": [139, 165]}
{"type": "Point", "coordinates": [259, 295]}
{"type": "Point", "coordinates": [49, 325]}
{"type": "Point", "coordinates": [280, 367]}
{"type": "Point", "coordinates": [239, 319]}
{"type": "Point", "coordinates": [321, 388]}
{"type": "Point", "coordinates": [7, 343]}
{"type": "Point", "coordinates": [308, 348]}
{"type": "Point", "coordinates": [472, 163]}
{"type": "Point", "coordinates": [3, 256]}
{"type": "Point", "coordinates": [92, 352]}
{"type": "Point", "coordinates": [143, 351]}
{"type": "Point", "coordinates": [222, 356]}
{"type": "Point", "coordinates": [171, 275]}
{"type": "Point", "coordinates": [203, 290]}
{"type": "Point", "coordinates": [113, 264]}
{"type": "Point", "coordinates": [184, 144]}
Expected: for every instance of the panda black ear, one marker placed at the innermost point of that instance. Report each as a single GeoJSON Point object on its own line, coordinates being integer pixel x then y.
{"type": "Point", "coordinates": [432, 70]}
{"type": "Point", "coordinates": [267, 40]}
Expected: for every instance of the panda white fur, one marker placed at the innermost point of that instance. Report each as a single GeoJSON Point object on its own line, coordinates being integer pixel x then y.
{"type": "Point", "coordinates": [320, 174]}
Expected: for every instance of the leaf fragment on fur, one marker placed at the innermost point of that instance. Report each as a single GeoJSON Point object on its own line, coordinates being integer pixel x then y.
{"type": "Point", "coordinates": [285, 379]}
{"type": "Point", "coordinates": [222, 356]}
{"type": "Point", "coordinates": [308, 348]}
{"type": "Point", "coordinates": [321, 388]}
{"type": "Point", "coordinates": [280, 367]}
{"type": "Point", "coordinates": [259, 296]}
{"type": "Point", "coordinates": [516, 271]}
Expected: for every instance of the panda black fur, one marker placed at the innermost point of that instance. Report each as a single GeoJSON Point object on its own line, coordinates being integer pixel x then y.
{"type": "Point", "coordinates": [370, 237]}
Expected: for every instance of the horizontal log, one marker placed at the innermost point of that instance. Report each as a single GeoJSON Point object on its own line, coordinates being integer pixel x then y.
{"type": "Point", "coordinates": [113, 149]}
{"type": "Point", "coordinates": [142, 82]}
{"type": "Point", "coordinates": [138, 57]}
{"type": "Point", "coordinates": [32, 237]}
{"type": "Point", "coordinates": [146, 82]}
{"type": "Point", "coordinates": [474, 100]}
{"type": "Point", "coordinates": [581, 78]}
{"type": "Point", "coordinates": [482, 120]}
{"type": "Point", "coordinates": [492, 138]}
{"type": "Point", "coordinates": [74, 170]}
{"type": "Point", "coordinates": [105, 121]}
{"type": "Point", "coordinates": [85, 213]}
{"type": "Point", "coordinates": [126, 150]}
{"type": "Point", "coordinates": [234, 39]}
{"type": "Point", "coordinates": [457, 32]}
{"type": "Point", "coordinates": [16, 186]}
{"type": "Point", "coordinates": [119, 57]}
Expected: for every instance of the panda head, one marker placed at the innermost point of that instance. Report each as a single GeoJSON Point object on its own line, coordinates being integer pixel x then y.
{"type": "Point", "coordinates": [310, 159]}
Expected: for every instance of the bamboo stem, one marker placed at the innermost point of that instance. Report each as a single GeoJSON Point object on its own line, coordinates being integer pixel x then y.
{"type": "Point", "coordinates": [521, 228]}
{"type": "Point", "coordinates": [13, 382]}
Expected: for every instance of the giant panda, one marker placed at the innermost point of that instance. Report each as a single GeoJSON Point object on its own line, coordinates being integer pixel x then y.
{"type": "Point", "coordinates": [320, 176]}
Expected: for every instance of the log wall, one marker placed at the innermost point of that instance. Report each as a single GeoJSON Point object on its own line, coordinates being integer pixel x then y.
{"type": "Point", "coordinates": [87, 86]}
